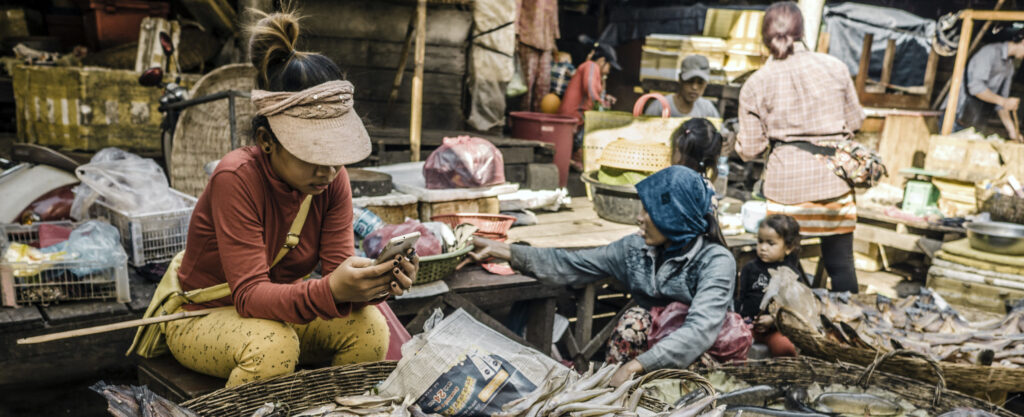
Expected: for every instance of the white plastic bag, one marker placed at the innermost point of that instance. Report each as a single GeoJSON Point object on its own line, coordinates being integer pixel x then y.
{"type": "Point", "coordinates": [460, 367]}
{"type": "Point", "coordinates": [125, 181]}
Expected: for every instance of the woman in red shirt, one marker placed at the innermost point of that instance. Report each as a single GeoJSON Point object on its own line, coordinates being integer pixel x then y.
{"type": "Point", "coordinates": [306, 131]}
{"type": "Point", "coordinates": [587, 87]}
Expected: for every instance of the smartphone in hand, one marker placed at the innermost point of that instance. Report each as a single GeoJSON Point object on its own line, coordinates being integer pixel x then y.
{"type": "Point", "coordinates": [398, 245]}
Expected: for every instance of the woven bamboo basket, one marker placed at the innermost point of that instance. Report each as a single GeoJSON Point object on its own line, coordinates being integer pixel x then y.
{"type": "Point", "coordinates": [964, 377]}
{"type": "Point", "coordinates": [437, 267]}
{"type": "Point", "coordinates": [300, 390]}
{"type": "Point", "coordinates": [203, 133]}
{"type": "Point", "coordinates": [636, 155]}
{"type": "Point", "coordinates": [805, 370]}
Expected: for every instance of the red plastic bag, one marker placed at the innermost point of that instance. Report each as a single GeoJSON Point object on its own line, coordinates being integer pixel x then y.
{"type": "Point", "coordinates": [464, 162]}
{"type": "Point", "coordinates": [427, 245]}
{"type": "Point", "coordinates": [733, 340]}
{"type": "Point", "coordinates": [398, 335]}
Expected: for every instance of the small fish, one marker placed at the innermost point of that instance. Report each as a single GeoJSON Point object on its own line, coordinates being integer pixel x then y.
{"type": "Point", "coordinates": [690, 397]}
{"type": "Point", "coordinates": [734, 411]}
{"type": "Point", "coordinates": [634, 399]}
{"type": "Point", "coordinates": [966, 412]}
{"type": "Point", "coordinates": [365, 400]}
{"type": "Point", "coordinates": [264, 410]}
{"type": "Point", "coordinates": [760, 394]}
{"type": "Point", "coordinates": [572, 397]}
{"type": "Point", "coordinates": [694, 409]}
{"type": "Point", "coordinates": [616, 397]}
{"type": "Point", "coordinates": [317, 411]}
{"type": "Point", "coordinates": [584, 409]}
{"type": "Point", "coordinates": [598, 379]}
{"type": "Point", "coordinates": [716, 412]}
{"type": "Point", "coordinates": [859, 404]}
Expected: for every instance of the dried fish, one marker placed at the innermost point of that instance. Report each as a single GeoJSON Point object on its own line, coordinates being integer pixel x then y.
{"type": "Point", "coordinates": [747, 411]}
{"type": "Point", "coordinates": [694, 409]}
{"type": "Point", "coordinates": [617, 397]}
{"type": "Point", "coordinates": [365, 400]}
{"type": "Point", "coordinates": [756, 395]}
{"type": "Point", "coordinates": [855, 403]}
{"type": "Point", "coordinates": [598, 379]}
{"type": "Point", "coordinates": [690, 397]}
{"type": "Point", "coordinates": [317, 411]}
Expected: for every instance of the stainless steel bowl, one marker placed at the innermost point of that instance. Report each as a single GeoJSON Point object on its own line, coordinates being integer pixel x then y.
{"type": "Point", "coordinates": [996, 237]}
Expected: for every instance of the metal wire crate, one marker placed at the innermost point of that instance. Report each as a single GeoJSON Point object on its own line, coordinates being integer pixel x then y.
{"type": "Point", "coordinates": [149, 237]}
{"type": "Point", "coordinates": [47, 282]}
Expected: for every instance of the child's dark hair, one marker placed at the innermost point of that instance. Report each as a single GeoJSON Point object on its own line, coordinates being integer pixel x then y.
{"type": "Point", "coordinates": [279, 67]}
{"type": "Point", "coordinates": [789, 230]}
{"type": "Point", "coordinates": [698, 145]}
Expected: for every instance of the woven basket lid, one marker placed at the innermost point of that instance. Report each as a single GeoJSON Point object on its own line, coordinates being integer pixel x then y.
{"type": "Point", "coordinates": [203, 133]}
{"type": "Point", "coordinates": [636, 155]}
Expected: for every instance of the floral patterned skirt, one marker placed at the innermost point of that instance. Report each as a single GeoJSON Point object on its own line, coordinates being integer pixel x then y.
{"type": "Point", "coordinates": [629, 339]}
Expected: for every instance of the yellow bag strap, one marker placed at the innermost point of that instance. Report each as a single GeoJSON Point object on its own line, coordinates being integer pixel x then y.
{"type": "Point", "coordinates": [216, 292]}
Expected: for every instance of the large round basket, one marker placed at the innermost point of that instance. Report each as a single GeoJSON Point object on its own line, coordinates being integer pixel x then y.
{"type": "Point", "coordinates": [203, 133]}
{"type": "Point", "coordinates": [805, 370]}
{"type": "Point", "coordinates": [963, 377]}
{"type": "Point", "coordinates": [437, 267]}
{"type": "Point", "coordinates": [300, 390]}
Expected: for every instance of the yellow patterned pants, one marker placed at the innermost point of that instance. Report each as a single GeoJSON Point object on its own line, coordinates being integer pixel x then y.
{"type": "Point", "coordinates": [225, 345]}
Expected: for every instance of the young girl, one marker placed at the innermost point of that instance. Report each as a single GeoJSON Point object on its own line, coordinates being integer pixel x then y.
{"type": "Point", "coordinates": [778, 246]}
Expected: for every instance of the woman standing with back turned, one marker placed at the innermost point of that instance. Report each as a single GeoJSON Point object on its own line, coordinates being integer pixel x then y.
{"type": "Point", "coordinates": [801, 96]}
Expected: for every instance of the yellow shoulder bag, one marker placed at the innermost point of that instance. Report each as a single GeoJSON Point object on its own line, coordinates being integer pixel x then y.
{"type": "Point", "coordinates": [149, 340]}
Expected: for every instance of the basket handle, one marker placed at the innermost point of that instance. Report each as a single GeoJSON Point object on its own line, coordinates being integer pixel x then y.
{"type": "Point", "coordinates": [682, 375]}
{"type": "Point", "coordinates": [638, 108]}
{"type": "Point", "coordinates": [940, 386]}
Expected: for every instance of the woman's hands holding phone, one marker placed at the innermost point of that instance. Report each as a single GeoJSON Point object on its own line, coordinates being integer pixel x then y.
{"type": "Point", "coordinates": [359, 280]}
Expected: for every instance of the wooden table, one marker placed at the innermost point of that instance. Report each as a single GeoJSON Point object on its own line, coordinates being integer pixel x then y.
{"type": "Point", "coordinates": [474, 289]}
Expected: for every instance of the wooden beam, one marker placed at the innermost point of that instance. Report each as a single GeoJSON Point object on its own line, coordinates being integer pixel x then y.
{"type": "Point", "coordinates": [585, 314]}
{"type": "Point", "coordinates": [998, 15]}
{"type": "Point", "coordinates": [929, 72]}
{"type": "Point", "coordinates": [823, 39]}
{"type": "Point", "coordinates": [886, 237]}
{"type": "Point", "coordinates": [865, 60]}
{"type": "Point", "coordinates": [540, 324]}
{"type": "Point", "coordinates": [591, 348]}
{"type": "Point", "coordinates": [974, 46]}
{"type": "Point", "coordinates": [416, 113]}
{"type": "Point", "coordinates": [890, 55]}
{"type": "Point", "coordinates": [958, 74]}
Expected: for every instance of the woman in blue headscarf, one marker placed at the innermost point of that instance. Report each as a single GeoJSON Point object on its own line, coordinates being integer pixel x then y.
{"type": "Point", "coordinates": [679, 255]}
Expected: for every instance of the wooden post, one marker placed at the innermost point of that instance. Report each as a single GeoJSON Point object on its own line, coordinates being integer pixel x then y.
{"type": "Point", "coordinates": [958, 72]}
{"type": "Point", "coordinates": [823, 40]}
{"type": "Point", "coordinates": [585, 314]}
{"type": "Point", "coordinates": [890, 55]}
{"type": "Point", "coordinates": [929, 72]}
{"type": "Point", "coordinates": [865, 59]}
{"type": "Point", "coordinates": [416, 114]}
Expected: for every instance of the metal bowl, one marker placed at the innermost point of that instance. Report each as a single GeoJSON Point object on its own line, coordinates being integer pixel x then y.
{"type": "Point", "coordinates": [996, 237]}
{"type": "Point", "coordinates": [615, 203]}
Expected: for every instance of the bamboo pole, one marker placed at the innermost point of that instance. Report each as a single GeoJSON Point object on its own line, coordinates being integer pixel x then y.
{"type": "Point", "coordinates": [890, 56]}
{"type": "Point", "coordinates": [958, 73]}
{"type": "Point", "coordinates": [115, 326]}
{"type": "Point", "coordinates": [397, 84]}
{"type": "Point", "coordinates": [416, 115]}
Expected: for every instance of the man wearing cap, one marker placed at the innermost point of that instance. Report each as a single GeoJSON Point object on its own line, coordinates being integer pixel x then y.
{"type": "Point", "coordinates": [694, 73]}
{"type": "Point", "coordinates": [587, 87]}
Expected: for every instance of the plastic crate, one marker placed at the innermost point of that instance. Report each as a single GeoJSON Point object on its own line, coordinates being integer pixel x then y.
{"type": "Point", "coordinates": [46, 282]}
{"type": "Point", "coordinates": [150, 237]}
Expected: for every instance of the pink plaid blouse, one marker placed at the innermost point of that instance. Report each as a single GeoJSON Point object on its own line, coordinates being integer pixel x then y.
{"type": "Point", "coordinates": [807, 97]}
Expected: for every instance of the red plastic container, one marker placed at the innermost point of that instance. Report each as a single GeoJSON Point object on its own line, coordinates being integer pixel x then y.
{"type": "Point", "coordinates": [491, 226]}
{"type": "Point", "coordinates": [550, 128]}
{"type": "Point", "coordinates": [115, 22]}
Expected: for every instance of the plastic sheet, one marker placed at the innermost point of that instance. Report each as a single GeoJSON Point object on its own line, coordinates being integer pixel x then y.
{"type": "Point", "coordinates": [427, 245]}
{"type": "Point", "coordinates": [94, 241]}
{"type": "Point", "coordinates": [127, 182]}
{"type": "Point", "coordinates": [733, 340]}
{"type": "Point", "coordinates": [788, 291]}
{"type": "Point", "coordinates": [464, 162]}
{"type": "Point", "coordinates": [847, 23]}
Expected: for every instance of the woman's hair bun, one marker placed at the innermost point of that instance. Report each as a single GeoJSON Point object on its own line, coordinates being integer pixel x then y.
{"type": "Point", "coordinates": [272, 41]}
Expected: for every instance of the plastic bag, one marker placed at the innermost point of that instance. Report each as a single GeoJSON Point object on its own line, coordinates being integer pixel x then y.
{"type": "Point", "coordinates": [788, 291]}
{"type": "Point", "coordinates": [138, 401]}
{"type": "Point", "coordinates": [427, 245]}
{"type": "Point", "coordinates": [460, 367]}
{"type": "Point", "coordinates": [464, 162]}
{"type": "Point", "coordinates": [126, 182]}
{"type": "Point", "coordinates": [732, 344]}
{"type": "Point", "coordinates": [94, 241]}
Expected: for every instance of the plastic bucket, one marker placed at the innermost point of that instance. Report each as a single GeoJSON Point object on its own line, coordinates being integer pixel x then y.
{"type": "Point", "coordinates": [550, 128]}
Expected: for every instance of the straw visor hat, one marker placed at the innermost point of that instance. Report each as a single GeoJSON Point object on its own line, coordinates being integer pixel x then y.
{"type": "Point", "coordinates": [318, 125]}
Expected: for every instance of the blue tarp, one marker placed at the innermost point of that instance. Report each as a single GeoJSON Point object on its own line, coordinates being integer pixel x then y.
{"type": "Point", "coordinates": [847, 23]}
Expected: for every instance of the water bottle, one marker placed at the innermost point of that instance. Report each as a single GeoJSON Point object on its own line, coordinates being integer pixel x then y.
{"type": "Point", "coordinates": [722, 182]}
{"type": "Point", "coordinates": [365, 222]}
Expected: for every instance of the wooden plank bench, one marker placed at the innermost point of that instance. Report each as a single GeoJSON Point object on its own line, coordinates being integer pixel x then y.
{"type": "Point", "coordinates": [169, 379]}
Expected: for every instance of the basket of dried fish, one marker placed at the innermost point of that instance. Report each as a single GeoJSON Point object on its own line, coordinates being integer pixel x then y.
{"type": "Point", "coordinates": [974, 355]}
{"type": "Point", "coordinates": [808, 387]}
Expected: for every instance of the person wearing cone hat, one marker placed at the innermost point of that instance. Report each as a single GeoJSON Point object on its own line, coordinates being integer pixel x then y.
{"type": "Point", "coordinates": [306, 130]}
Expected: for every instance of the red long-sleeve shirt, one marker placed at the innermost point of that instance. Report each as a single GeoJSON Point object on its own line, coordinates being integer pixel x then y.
{"type": "Point", "coordinates": [583, 90]}
{"type": "Point", "coordinates": [239, 225]}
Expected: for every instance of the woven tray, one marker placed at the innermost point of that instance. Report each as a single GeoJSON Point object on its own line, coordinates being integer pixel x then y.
{"type": "Point", "coordinates": [437, 267]}
{"type": "Point", "coordinates": [969, 378]}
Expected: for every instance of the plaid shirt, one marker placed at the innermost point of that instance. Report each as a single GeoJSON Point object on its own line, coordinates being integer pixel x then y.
{"type": "Point", "coordinates": [561, 73]}
{"type": "Point", "coordinates": [805, 97]}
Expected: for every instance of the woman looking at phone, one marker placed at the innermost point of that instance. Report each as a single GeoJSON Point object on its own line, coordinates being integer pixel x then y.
{"type": "Point", "coordinates": [306, 131]}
